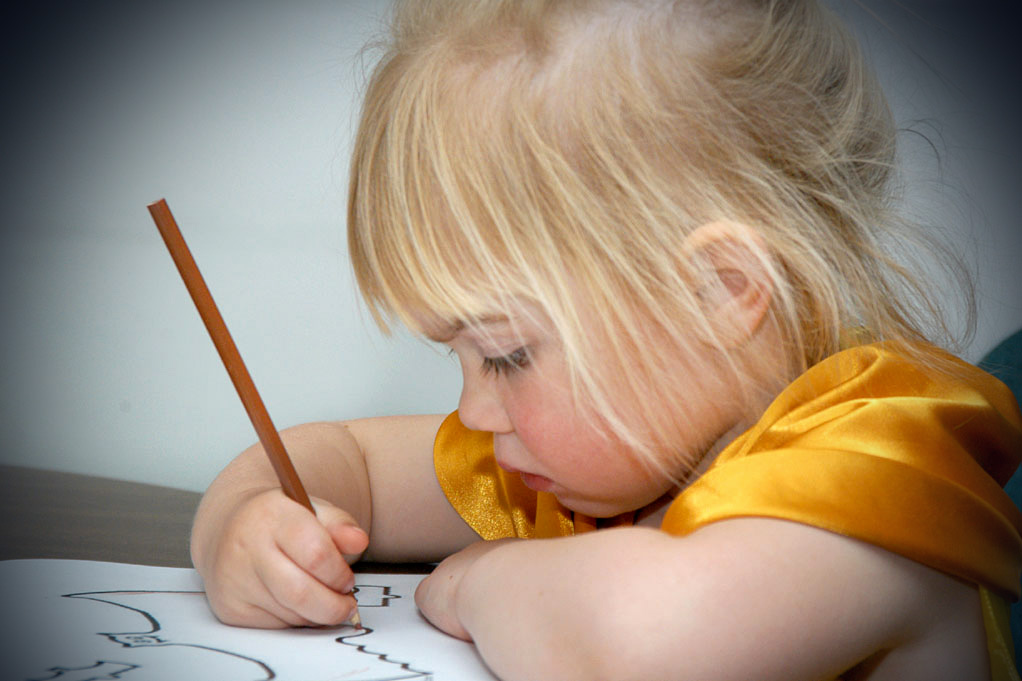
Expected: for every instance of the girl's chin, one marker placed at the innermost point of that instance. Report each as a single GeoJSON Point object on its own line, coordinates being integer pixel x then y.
{"type": "Point", "coordinates": [589, 507]}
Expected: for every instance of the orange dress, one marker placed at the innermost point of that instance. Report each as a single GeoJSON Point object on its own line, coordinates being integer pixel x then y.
{"type": "Point", "coordinates": [864, 444]}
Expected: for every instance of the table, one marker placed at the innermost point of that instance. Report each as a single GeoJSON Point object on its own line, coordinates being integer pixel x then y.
{"type": "Point", "coordinates": [51, 514]}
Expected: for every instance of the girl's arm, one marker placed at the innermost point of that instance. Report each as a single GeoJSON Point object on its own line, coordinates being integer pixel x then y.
{"type": "Point", "coordinates": [739, 599]}
{"type": "Point", "coordinates": [412, 520]}
{"type": "Point", "coordinates": [267, 562]}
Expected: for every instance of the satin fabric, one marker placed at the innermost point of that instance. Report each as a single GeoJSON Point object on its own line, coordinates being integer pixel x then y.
{"type": "Point", "coordinates": [865, 444]}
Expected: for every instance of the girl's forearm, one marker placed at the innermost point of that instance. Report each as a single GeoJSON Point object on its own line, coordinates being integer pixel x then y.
{"type": "Point", "coordinates": [745, 598]}
{"type": "Point", "coordinates": [574, 608]}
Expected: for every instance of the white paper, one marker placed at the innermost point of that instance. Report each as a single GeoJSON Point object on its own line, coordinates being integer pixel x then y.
{"type": "Point", "coordinates": [69, 620]}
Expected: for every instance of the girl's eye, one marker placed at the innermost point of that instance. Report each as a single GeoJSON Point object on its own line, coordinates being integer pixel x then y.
{"type": "Point", "coordinates": [511, 362]}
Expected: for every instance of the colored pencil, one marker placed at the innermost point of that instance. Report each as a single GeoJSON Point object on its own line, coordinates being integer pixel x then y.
{"type": "Point", "coordinates": [217, 328]}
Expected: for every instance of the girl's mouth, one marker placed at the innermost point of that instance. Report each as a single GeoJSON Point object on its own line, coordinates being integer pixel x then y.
{"type": "Point", "coordinates": [534, 482]}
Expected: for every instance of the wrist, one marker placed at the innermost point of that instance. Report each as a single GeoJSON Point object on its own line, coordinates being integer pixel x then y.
{"type": "Point", "coordinates": [212, 518]}
{"type": "Point", "coordinates": [474, 592]}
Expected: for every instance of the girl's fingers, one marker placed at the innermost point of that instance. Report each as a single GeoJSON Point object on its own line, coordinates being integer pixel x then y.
{"type": "Point", "coordinates": [297, 594]}
{"type": "Point", "coordinates": [253, 606]}
{"type": "Point", "coordinates": [311, 548]}
{"type": "Point", "coordinates": [280, 566]}
{"type": "Point", "coordinates": [349, 538]}
{"type": "Point", "coordinates": [274, 616]}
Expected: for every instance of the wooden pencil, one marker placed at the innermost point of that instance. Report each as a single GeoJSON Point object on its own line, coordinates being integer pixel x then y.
{"type": "Point", "coordinates": [217, 328]}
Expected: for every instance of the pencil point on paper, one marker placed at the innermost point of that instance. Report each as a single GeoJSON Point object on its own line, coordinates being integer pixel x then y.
{"type": "Point", "coordinates": [356, 620]}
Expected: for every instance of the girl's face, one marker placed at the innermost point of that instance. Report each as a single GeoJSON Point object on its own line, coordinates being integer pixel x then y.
{"type": "Point", "coordinates": [517, 386]}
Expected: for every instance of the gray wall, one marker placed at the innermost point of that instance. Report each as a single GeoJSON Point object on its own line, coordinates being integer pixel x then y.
{"type": "Point", "coordinates": [240, 115]}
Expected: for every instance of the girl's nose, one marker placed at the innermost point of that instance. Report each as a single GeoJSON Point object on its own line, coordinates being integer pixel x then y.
{"type": "Point", "coordinates": [480, 407]}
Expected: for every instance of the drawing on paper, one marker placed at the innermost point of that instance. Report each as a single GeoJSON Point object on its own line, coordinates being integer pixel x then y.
{"type": "Point", "coordinates": [67, 620]}
{"type": "Point", "coordinates": [103, 670]}
{"type": "Point", "coordinates": [239, 659]}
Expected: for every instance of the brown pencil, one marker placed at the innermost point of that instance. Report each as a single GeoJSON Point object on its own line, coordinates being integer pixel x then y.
{"type": "Point", "coordinates": [265, 430]}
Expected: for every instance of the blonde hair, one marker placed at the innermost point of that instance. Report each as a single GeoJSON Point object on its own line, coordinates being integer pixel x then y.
{"type": "Point", "coordinates": [559, 151]}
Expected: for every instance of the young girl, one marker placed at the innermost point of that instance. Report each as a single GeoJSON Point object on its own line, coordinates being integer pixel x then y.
{"type": "Point", "coordinates": [657, 236]}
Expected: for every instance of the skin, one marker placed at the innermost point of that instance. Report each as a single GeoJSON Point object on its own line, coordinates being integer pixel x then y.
{"type": "Point", "coordinates": [739, 599]}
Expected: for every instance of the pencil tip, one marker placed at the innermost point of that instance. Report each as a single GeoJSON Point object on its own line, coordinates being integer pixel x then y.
{"type": "Point", "coordinates": [356, 620]}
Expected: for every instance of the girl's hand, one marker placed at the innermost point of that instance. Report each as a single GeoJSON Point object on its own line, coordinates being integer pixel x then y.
{"type": "Point", "coordinates": [436, 594]}
{"type": "Point", "coordinates": [275, 564]}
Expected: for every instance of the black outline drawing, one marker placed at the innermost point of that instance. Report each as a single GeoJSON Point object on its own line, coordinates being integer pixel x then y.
{"type": "Point", "coordinates": [369, 598]}
{"type": "Point", "coordinates": [96, 672]}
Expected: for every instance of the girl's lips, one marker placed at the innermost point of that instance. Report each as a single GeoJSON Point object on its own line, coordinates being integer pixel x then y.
{"type": "Point", "coordinates": [534, 482]}
{"type": "Point", "coordinates": [537, 482]}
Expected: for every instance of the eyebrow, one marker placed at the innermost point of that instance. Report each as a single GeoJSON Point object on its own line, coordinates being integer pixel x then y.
{"type": "Point", "coordinates": [445, 331]}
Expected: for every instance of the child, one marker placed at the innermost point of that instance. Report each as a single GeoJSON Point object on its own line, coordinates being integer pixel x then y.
{"type": "Point", "coordinates": [656, 236]}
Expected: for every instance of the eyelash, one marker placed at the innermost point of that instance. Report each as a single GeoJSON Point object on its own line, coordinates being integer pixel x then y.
{"type": "Point", "coordinates": [507, 364]}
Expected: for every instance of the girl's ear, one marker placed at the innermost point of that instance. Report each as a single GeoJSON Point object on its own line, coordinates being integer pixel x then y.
{"type": "Point", "coordinates": [732, 268]}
